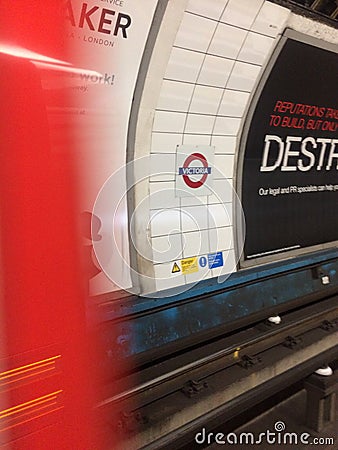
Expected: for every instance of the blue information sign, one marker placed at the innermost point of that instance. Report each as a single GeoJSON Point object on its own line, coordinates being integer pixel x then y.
{"type": "Point", "coordinates": [215, 260]}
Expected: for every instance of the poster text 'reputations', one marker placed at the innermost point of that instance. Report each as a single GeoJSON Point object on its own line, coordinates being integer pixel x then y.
{"type": "Point", "coordinates": [101, 20]}
{"type": "Point", "coordinates": [301, 153]}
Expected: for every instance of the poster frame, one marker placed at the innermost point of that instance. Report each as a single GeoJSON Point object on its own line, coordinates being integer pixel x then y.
{"type": "Point", "coordinates": [239, 162]}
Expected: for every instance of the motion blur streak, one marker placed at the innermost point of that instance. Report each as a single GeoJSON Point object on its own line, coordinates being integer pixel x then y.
{"type": "Point", "coordinates": [42, 291]}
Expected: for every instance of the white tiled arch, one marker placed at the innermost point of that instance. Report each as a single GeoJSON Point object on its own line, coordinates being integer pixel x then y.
{"type": "Point", "coordinates": [211, 69]}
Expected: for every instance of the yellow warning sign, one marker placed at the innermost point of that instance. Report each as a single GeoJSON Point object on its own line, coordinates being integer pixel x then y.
{"type": "Point", "coordinates": [189, 265]}
{"type": "Point", "coordinates": [175, 268]}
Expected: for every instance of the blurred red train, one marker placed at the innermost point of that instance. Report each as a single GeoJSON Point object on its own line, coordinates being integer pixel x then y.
{"type": "Point", "coordinates": [46, 389]}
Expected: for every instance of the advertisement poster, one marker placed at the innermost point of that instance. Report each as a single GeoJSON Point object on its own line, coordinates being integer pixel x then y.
{"type": "Point", "coordinates": [107, 40]}
{"type": "Point", "coordinates": [290, 164]}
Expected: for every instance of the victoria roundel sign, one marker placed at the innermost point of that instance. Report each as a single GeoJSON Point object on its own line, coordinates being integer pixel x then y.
{"type": "Point", "coordinates": [194, 170]}
{"type": "Point", "coordinates": [187, 170]}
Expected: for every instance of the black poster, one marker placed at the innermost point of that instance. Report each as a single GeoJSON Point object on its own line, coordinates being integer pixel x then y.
{"type": "Point", "coordinates": [290, 164]}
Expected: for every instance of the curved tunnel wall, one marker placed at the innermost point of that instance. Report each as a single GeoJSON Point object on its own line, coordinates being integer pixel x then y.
{"type": "Point", "coordinates": [208, 59]}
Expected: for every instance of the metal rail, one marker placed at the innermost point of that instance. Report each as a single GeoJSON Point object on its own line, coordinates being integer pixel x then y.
{"type": "Point", "coordinates": [294, 323]}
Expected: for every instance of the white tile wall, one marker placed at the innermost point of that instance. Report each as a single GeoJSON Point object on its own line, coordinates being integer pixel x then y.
{"type": "Point", "coordinates": [215, 71]}
{"type": "Point", "coordinates": [212, 70]}
{"type": "Point", "coordinates": [184, 65]}
{"type": "Point", "coordinates": [169, 122]}
{"type": "Point", "coordinates": [221, 239]}
{"type": "Point", "coordinates": [199, 124]}
{"type": "Point", "coordinates": [194, 218]}
{"type": "Point", "coordinates": [241, 13]}
{"type": "Point", "coordinates": [233, 103]}
{"type": "Point", "coordinates": [196, 139]}
{"type": "Point", "coordinates": [227, 126]}
{"type": "Point", "coordinates": [210, 9]}
{"type": "Point", "coordinates": [175, 96]}
{"type": "Point", "coordinates": [224, 144]}
{"type": "Point", "coordinates": [225, 166]}
{"type": "Point", "coordinates": [162, 195]}
{"type": "Point", "coordinates": [195, 32]}
{"type": "Point", "coordinates": [166, 248]}
{"type": "Point", "coordinates": [165, 142]}
{"type": "Point", "coordinates": [162, 167]}
{"type": "Point", "coordinates": [165, 279]}
{"type": "Point", "coordinates": [205, 100]}
{"type": "Point", "coordinates": [194, 200]}
{"type": "Point", "coordinates": [220, 215]}
{"type": "Point", "coordinates": [222, 191]}
{"type": "Point", "coordinates": [164, 222]}
{"type": "Point", "coordinates": [202, 274]}
{"type": "Point", "coordinates": [227, 41]}
{"type": "Point", "coordinates": [243, 76]}
{"type": "Point", "coordinates": [256, 48]}
{"type": "Point", "coordinates": [271, 19]}
{"type": "Point", "coordinates": [196, 243]}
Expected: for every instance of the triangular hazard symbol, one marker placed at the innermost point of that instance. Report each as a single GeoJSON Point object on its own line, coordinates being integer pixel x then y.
{"type": "Point", "coordinates": [175, 268]}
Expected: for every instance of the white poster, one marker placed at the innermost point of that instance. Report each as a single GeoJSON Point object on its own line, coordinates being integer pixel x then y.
{"type": "Point", "coordinates": [107, 39]}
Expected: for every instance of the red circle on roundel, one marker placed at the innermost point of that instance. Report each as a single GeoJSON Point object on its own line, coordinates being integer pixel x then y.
{"type": "Point", "coordinates": [191, 158]}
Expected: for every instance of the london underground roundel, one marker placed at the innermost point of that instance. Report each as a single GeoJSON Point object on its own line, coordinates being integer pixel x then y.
{"type": "Point", "coordinates": [188, 171]}
{"type": "Point", "coordinates": [194, 170]}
